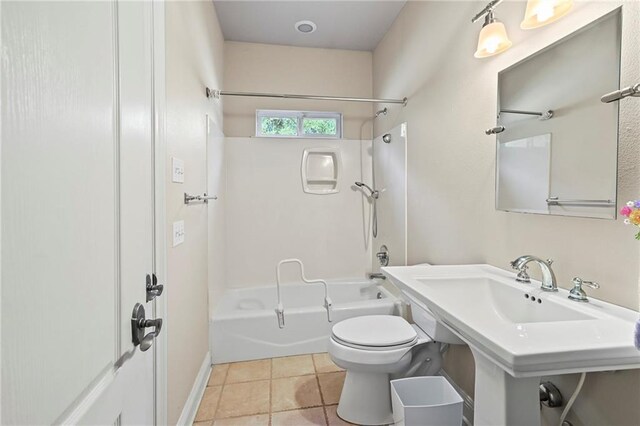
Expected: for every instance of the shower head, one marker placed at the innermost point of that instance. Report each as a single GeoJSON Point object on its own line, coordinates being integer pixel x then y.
{"type": "Point", "coordinates": [372, 192]}
{"type": "Point", "coordinates": [386, 138]}
{"type": "Point", "coordinates": [382, 111]}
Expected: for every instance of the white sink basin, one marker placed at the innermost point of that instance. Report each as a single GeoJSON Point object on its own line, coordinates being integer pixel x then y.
{"type": "Point", "coordinates": [518, 333]}
{"type": "Point", "coordinates": [503, 303]}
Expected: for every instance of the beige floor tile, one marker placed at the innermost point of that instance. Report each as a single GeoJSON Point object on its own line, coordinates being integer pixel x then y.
{"type": "Point", "coordinates": [209, 403]}
{"type": "Point", "coordinates": [292, 366]}
{"type": "Point", "coordinates": [259, 420]}
{"type": "Point", "coordinates": [294, 392]}
{"type": "Point", "coordinates": [331, 386]}
{"type": "Point", "coordinates": [244, 399]}
{"type": "Point", "coordinates": [249, 371]}
{"type": "Point", "coordinates": [332, 416]}
{"type": "Point", "coordinates": [324, 364]}
{"type": "Point", "coordinates": [207, 423]}
{"type": "Point", "coordinates": [309, 416]}
{"type": "Point", "coordinates": [218, 374]}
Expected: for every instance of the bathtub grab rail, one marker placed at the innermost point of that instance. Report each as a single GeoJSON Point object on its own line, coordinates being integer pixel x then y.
{"type": "Point", "coordinates": [280, 308]}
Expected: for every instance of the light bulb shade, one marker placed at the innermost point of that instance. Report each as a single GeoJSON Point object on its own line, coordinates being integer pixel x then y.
{"type": "Point", "coordinates": [493, 39]}
{"type": "Point", "coordinates": [543, 12]}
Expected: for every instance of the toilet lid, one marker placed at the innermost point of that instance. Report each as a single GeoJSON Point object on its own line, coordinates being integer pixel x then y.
{"type": "Point", "coordinates": [375, 331]}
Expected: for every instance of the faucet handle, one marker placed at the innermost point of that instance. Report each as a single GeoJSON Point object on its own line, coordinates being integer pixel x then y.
{"type": "Point", "coordinates": [523, 276]}
{"type": "Point", "coordinates": [579, 282]}
{"type": "Point", "coordinates": [577, 293]}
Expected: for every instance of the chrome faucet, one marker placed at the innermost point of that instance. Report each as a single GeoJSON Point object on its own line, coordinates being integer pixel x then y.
{"type": "Point", "coordinates": [378, 275]}
{"type": "Point", "coordinates": [548, 277]}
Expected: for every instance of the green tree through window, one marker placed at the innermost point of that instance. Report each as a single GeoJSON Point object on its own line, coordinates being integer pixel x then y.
{"type": "Point", "coordinates": [319, 126]}
{"type": "Point", "coordinates": [298, 123]}
{"type": "Point", "coordinates": [279, 126]}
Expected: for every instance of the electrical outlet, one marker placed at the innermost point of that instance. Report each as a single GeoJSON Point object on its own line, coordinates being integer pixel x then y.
{"type": "Point", "coordinates": [178, 232]}
{"type": "Point", "coordinates": [177, 165]}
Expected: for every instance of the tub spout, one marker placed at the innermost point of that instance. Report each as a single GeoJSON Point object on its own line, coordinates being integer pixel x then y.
{"type": "Point", "coordinates": [378, 275]}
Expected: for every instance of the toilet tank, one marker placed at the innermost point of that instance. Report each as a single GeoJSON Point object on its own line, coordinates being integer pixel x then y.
{"type": "Point", "coordinates": [424, 319]}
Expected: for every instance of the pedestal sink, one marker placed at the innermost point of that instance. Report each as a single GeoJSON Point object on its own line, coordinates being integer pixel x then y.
{"type": "Point", "coordinates": [518, 333]}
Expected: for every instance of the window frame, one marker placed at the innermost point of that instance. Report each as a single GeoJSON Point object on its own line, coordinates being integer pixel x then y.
{"type": "Point", "coordinates": [299, 116]}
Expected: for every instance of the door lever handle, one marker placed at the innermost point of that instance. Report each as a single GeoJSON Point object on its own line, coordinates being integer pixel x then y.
{"type": "Point", "coordinates": [139, 323]}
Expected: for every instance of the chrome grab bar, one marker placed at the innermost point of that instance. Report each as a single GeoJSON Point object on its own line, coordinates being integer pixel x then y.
{"type": "Point", "coordinates": [494, 130]}
{"type": "Point", "coordinates": [555, 201]}
{"type": "Point", "coordinates": [204, 198]}
{"type": "Point", "coordinates": [546, 115]}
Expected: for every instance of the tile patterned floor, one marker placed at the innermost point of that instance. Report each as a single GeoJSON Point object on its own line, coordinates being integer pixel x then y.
{"type": "Point", "coordinates": [291, 391]}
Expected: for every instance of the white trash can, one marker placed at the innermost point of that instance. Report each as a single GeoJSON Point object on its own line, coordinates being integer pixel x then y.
{"type": "Point", "coordinates": [425, 401]}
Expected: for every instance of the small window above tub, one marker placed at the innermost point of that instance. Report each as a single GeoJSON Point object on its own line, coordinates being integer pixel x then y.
{"type": "Point", "coordinates": [298, 124]}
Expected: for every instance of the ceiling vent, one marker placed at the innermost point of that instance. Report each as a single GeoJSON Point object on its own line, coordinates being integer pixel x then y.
{"type": "Point", "coordinates": [305, 27]}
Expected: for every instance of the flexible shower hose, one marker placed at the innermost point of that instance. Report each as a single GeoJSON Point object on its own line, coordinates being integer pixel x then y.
{"type": "Point", "coordinates": [374, 226]}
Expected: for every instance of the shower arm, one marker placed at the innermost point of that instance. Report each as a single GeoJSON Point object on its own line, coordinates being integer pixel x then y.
{"type": "Point", "coordinates": [280, 309]}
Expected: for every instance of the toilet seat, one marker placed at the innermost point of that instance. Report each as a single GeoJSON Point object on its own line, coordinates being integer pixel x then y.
{"type": "Point", "coordinates": [375, 348]}
{"type": "Point", "coordinates": [375, 332]}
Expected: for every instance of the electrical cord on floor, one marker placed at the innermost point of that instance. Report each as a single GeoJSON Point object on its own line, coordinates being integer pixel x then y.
{"type": "Point", "coordinates": [572, 399]}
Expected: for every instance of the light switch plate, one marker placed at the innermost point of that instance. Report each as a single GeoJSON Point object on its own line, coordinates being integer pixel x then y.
{"type": "Point", "coordinates": [178, 232]}
{"type": "Point", "coordinates": [177, 165]}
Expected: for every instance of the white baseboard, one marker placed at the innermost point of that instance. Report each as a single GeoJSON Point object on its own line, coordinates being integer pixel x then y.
{"type": "Point", "coordinates": [467, 410]}
{"type": "Point", "coordinates": [197, 391]}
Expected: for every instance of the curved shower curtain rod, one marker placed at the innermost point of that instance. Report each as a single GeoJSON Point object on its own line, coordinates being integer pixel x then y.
{"type": "Point", "coordinates": [216, 94]}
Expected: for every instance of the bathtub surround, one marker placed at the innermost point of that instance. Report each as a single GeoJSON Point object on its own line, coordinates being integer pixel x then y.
{"type": "Point", "coordinates": [390, 178]}
{"type": "Point", "coordinates": [253, 67]}
{"type": "Point", "coordinates": [451, 173]}
{"type": "Point", "coordinates": [270, 217]}
{"type": "Point", "coordinates": [194, 59]}
{"type": "Point", "coordinates": [217, 212]}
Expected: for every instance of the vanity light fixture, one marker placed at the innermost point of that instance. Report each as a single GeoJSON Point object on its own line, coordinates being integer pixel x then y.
{"type": "Point", "coordinates": [493, 37]}
{"type": "Point", "coordinates": [543, 12]}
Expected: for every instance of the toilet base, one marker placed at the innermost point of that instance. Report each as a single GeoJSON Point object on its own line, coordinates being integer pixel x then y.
{"type": "Point", "coordinates": [366, 399]}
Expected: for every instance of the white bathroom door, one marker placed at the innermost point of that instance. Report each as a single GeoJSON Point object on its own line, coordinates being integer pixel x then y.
{"type": "Point", "coordinates": [77, 197]}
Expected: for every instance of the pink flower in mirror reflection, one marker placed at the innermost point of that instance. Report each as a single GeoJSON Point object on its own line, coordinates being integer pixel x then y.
{"type": "Point", "coordinates": [625, 211]}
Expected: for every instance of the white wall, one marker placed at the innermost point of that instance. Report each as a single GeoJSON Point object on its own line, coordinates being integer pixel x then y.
{"type": "Point", "coordinates": [194, 60]}
{"type": "Point", "coordinates": [428, 56]}
{"type": "Point", "coordinates": [251, 67]}
{"type": "Point", "coordinates": [270, 218]}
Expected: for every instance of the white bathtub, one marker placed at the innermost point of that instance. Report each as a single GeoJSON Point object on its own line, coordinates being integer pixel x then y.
{"type": "Point", "coordinates": [245, 325]}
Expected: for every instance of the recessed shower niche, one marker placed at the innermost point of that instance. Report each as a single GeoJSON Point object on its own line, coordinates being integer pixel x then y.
{"type": "Point", "coordinates": [320, 170]}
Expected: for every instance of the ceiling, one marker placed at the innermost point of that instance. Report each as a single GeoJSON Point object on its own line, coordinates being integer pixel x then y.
{"type": "Point", "coordinates": [353, 25]}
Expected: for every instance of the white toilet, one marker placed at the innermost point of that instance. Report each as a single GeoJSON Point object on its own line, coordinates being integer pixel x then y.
{"type": "Point", "coordinates": [373, 348]}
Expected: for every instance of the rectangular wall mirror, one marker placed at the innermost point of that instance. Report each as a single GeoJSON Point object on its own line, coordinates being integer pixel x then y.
{"type": "Point", "coordinates": [558, 152]}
